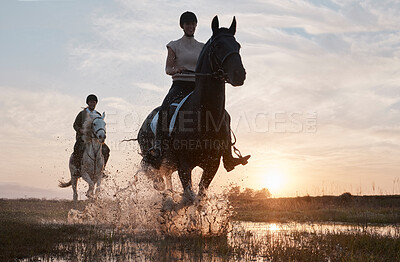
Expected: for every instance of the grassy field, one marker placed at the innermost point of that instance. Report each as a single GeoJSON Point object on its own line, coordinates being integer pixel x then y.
{"type": "Point", "coordinates": [344, 208]}
{"type": "Point", "coordinates": [32, 228]}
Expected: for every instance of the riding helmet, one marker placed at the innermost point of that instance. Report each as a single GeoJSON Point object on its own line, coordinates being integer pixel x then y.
{"type": "Point", "coordinates": [187, 17]}
{"type": "Point", "coordinates": [91, 97]}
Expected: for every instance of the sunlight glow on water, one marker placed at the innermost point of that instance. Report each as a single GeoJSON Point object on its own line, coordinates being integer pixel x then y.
{"type": "Point", "coordinates": [273, 227]}
{"type": "Point", "coordinates": [262, 229]}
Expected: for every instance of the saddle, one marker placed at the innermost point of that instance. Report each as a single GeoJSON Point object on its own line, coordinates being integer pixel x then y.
{"type": "Point", "coordinates": [173, 107]}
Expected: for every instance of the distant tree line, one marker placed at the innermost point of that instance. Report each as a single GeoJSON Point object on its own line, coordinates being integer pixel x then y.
{"type": "Point", "coordinates": [236, 192]}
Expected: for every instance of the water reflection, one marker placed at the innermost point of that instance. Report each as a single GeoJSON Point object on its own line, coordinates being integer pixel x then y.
{"type": "Point", "coordinates": [261, 229]}
{"type": "Point", "coordinates": [246, 241]}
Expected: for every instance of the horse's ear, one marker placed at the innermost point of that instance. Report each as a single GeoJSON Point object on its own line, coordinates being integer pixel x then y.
{"type": "Point", "coordinates": [215, 24]}
{"type": "Point", "coordinates": [104, 115]}
{"type": "Point", "coordinates": [232, 28]}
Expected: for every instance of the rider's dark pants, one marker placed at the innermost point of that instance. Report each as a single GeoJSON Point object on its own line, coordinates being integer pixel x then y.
{"type": "Point", "coordinates": [227, 155]}
{"type": "Point", "coordinates": [179, 89]}
{"type": "Point", "coordinates": [79, 149]}
{"type": "Point", "coordinates": [105, 150]}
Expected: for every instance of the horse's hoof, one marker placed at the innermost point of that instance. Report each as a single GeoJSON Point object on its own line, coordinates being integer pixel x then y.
{"type": "Point", "coordinates": [186, 202]}
{"type": "Point", "coordinates": [89, 195]}
{"type": "Point", "coordinates": [168, 205]}
{"type": "Point", "coordinates": [188, 198]}
{"type": "Point", "coordinates": [158, 184]}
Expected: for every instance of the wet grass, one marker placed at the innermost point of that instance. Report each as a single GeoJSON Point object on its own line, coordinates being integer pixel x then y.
{"type": "Point", "coordinates": [301, 246]}
{"type": "Point", "coordinates": [35, 230]}
{"type": "Point", "coordinates": [23, 232]}
{"type": "Point", "coordinates": [344, 208]}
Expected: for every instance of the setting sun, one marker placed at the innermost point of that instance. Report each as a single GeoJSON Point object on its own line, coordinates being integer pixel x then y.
{"type": "Point", "coordinates": [274, 179]}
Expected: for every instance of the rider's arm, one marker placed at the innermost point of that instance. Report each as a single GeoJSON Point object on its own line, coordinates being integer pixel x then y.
{"type": "Point", "coordinates": [78, 123]}
{"type": "Point", "coordinates": [170, 66]}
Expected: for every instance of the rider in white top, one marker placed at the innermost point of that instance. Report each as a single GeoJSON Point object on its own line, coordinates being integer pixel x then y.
{"type": "Point", "coordinates": [186, 50]}
{"type": "Point", "coordinates": [181, 64]}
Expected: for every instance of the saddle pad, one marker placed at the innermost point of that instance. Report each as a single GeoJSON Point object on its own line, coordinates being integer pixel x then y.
{"type": "Point", "coordinates": [153, 124]}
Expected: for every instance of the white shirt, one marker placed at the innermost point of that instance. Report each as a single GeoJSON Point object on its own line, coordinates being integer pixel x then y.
{"type": "Point", "coordinates": [187, 51]}
{"type": "Point", "coordinates": [93, 113]}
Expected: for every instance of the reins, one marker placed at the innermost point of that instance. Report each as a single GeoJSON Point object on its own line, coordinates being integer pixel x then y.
{"type": "Point", "coordinates": [94, 135]}
{"type": "Point", "coordinates": [219, 72]}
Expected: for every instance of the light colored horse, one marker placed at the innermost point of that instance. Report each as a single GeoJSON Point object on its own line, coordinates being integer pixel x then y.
{"type": "Point", "coordinates": [92, 167]}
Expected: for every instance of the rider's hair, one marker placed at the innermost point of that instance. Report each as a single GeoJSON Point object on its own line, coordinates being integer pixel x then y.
{"type": "Point", "coordinates": [91, 97]}
{"type": "Point", "coordinates": [187, 17]}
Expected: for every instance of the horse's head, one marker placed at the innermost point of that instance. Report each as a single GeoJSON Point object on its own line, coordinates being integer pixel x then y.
{"type": "Point", "coordinates": [99, 128]}
{"type": "Point", "coordinates": [224, 53]}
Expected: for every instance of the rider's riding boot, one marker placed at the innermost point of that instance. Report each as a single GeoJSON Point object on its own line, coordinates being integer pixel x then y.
{"type": "Point", "coordinates": [230, 162]}
{"type": "Point", "coordinates": [77, 161]}
{"type": "Point", "coordinates": [106, 153]}
{"type": "Point", "coordinates": [106, 159]}
{"type": "Point", "coordinates": [154, 155]}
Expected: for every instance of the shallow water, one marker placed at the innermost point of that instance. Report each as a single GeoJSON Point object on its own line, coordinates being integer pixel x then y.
{"type": "Point", "coordinates": [261, 229]}
{"type": "Point", "coordinates": [246, 241]}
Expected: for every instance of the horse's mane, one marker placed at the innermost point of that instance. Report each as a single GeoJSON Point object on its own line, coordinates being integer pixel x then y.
{"type": "Point", "coordinates": [87, 128]}
{"type": "Point", "coordinates": [202, 55]}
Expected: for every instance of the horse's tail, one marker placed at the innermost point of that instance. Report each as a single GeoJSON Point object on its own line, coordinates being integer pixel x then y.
{"type": "Point", "coordinates": [128, 140]}
{"type": "Point", "coordinates": [64, 184]}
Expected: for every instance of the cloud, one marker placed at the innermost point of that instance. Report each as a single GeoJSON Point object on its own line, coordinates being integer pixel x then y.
{"type": "Point", "coordinates": [338, 59]}
{"type": "Point", "coordinates": [36, 113]}
{"type": "Point", "coordinates": [149, 86]}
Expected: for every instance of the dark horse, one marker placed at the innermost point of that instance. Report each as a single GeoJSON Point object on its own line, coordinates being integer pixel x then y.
{"type": "Point", "coordinates": [200, 135]}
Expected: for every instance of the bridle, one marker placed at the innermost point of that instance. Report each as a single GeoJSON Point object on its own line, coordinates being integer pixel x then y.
{"type": "Point", "coordinates": [95, 132]}
{"type": "Point", "coordinates": [94, 135]}
{"type": "Point", "coordinates": [218, 72]}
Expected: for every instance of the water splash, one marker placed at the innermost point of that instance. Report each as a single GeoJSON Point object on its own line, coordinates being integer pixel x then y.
{"type": "Point", "coordinates": [208, 216]}
{"type": "Point", "coordinates": [139, 208]}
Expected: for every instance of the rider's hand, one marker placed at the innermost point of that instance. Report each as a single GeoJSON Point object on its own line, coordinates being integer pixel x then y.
{"type": "Point", "coordinates": [180, 69]}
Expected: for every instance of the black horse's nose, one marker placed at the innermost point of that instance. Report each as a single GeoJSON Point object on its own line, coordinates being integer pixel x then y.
{"type": "Point", "coordinates": [239, 72]}
{"type": "Point", "coordinates": [239, 75]}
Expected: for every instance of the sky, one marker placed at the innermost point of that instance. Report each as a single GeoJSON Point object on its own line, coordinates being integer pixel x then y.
{"type": "Point", "coordinates": [319, 111]}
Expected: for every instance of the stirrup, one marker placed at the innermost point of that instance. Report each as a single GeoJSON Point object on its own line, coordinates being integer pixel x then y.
{"type": "Point", "coordinates": [153, 156]}
{"type": "Point", "coordinates": [233, 162]}
{"type": "Point", "coordinates": [154, 152]}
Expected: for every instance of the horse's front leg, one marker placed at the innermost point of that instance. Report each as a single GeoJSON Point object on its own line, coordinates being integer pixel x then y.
{"type": "Point", "coordinates": [185, 175]}
{"type": "Point", "coordinates": [98, 183]}
{"type": "Point", "coordinates": [86, 177]}
{"type": "Point", "coordinates": [74, 182]}
{"type": "Point", "coordinates": [100, 173]}
{"type": "Point", "coordinates": [208, 175]}
{"type": "Point", "coordinates": [166, 176]}
{"type": "Point", "coordinates": [168, 181]}
{"type": "Point", "coordinates": [74, 179]}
